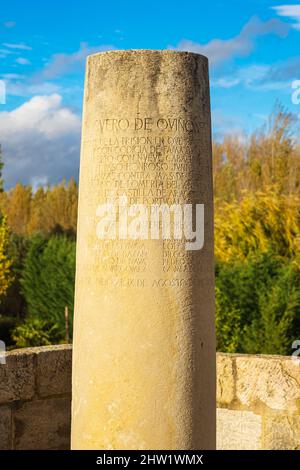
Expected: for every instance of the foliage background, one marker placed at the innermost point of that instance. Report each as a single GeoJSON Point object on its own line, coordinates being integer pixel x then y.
{"type": "Point", "coordinates": [257, 247]}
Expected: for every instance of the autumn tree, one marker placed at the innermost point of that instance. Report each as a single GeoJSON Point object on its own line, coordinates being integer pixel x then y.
{"type": "Point", "coordinates": [262, 221]}
{"type": "Point", "coordinates": [5, 262]}
{"type": "Point", "coordinates": [36, 222]}
{"type": "Point", "coordinates": [17, 208]}
{"type": "Point", "coordinates": [270, 157]}
{"type": "Point", "coordinates": [48, 210]}
{"type": "Point", "coordinates": [273, 156]}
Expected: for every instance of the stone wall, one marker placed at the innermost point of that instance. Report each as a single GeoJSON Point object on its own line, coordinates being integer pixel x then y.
{"type": "Point", "coordinates": [258, 400]}
{"type": "Point", "coordinates": [35, 397]}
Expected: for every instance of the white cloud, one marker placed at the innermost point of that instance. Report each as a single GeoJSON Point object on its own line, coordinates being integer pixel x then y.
{"type": "Point", "coordinates": [254, 77]}
{"type": "Point", "coordinates": [18, 85]}
{"type": "Point", "coordinates": [20, 46]}
{"type": "Point", "coordinates": [46, 81]}
{"type": "Point", "coordinates": [5, 52]}
{"type": "Point", "coordinates": [289, 11]}
{"type": "Point", "coordinates": [62, 63]}
{"type": "Point", "coordinates": [225, 82]}
{"type": "Point", "coordinates": [220, 50]}
{"type": "Point", "coordinates": [40, 141]}
{"type": "Point", "coordinates": [283, 73]}
{"type": "Point", "coordinates": [248, 76]}
{"type": "Point", "coordinates": [224, 124]}
{"type": "Point", "coordinates": [11, 76]}
{"type": "Point", "coordinates": [39, 182]}
{"type": "Point", "coordinates": [22, 61]}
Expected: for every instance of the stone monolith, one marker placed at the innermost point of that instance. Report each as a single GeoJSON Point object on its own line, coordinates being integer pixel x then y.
{"type": "Point", "coordinates": [144, 344]}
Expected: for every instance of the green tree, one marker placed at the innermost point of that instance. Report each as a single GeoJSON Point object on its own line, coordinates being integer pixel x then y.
{"type": "Point", "coordinates": [277, 326]}
{"type": "Point", "coordinates": [5, 262]}
{"type": "Point", "coordinates": [48, 280]}
{"type": "Point", "coordinates": [257, 304]}
{"type": "Point", "coordinates": [13, 303]}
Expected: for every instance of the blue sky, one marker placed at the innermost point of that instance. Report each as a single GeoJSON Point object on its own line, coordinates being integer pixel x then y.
{"type": "Point", "coordinates": [252, 45]}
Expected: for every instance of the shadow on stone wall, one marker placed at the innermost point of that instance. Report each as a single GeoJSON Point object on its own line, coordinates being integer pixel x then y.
{"type": "Point", "coordinates": [258, 400]}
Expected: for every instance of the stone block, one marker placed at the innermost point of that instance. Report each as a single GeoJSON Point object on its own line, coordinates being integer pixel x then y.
{"type": "Point", "coordinates": [268, 382]}
{"type": "Point", "coordinates": [281, 431]}
{"type": "Point", "coordinates": [17, 376]}
{"type": "Point", "coordinates": [225, 379]}
{"type": "Point", "coordinates": [42, 424]}
{"type": "Point", "coordinates": [54, 368]}
{"type": "Point", "coordinates": [5, 428]}
{"type": "Point", "coordinates": [238, 430]}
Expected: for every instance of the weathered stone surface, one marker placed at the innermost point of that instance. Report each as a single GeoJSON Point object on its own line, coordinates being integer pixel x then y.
{"type": "Point", "coordinates": [53, 369]}
{"type": "Point", "coordinates": [45, 424]}
{"type": "Point", "coordinates": [225, 379]}
{"type": "Point", "coordinates": [271, 382]}
{"type": "Point", "coordinates": [238, 430]}
{"type": "Point", "coordinates": [144, 348]}
{"type": "Point", "coordinates": [5, 428]}
{"type": "Point", "coordinates": [17, 376]}
{"type": "Point", "coordinates": [42, 424]}
{"type": "Point", "coordinates": [281, 431]}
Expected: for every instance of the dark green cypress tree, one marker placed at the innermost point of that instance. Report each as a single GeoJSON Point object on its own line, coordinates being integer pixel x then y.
{"type": "Point", "coordinates": [48, 280]}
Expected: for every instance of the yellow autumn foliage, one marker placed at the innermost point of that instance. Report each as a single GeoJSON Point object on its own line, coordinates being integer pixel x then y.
{"type": "Point", "coordinates": [5, 263]}
{"type": "Point", "coordinates": [260, 221]}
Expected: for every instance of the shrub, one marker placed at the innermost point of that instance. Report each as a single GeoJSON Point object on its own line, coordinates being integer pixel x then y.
{"type": "Point", "coordinates": [48, 280]}
{"type": "Point", "coordinates": [260, 223]}
{"type": "Point", "coordinates": [5, 262]}
{"type": "Point", "coordinates": [257, 304]}
{"type": "Point", "coordinates": [36, 332]}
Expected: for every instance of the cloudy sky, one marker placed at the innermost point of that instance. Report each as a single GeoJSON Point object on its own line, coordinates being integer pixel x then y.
{"type": "Point", "coordinates": [253, 47]}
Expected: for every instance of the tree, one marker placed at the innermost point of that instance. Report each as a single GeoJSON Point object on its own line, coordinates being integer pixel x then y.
{"type": "Point", "coordinates": [72, 195]}
{"type": "Point", "coordinates": [18, 207]}
{"type": "Point", "coordinates": [48, 280]}
{"type": "Point", "coordinates": [36, 222]}
{"type": "Point", "coordinates": [5, 262]}
{"type": "Point", "coordinates": [257, 304]}
{"type": "Point", "coordinates": [13, 303]}
{"type": "Point", "coordinates": [272, 156]}
{"type": "Point", "coordinates": [277, 326]}
{"type": "Point", "coordinates": [260, 222]}
{"type": "Point", "coordinates": [269, 157]}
